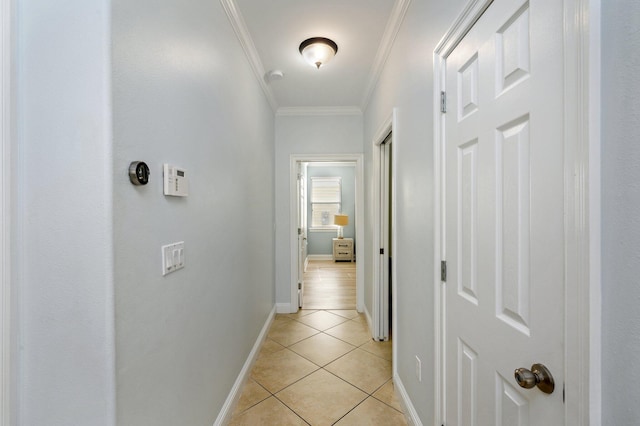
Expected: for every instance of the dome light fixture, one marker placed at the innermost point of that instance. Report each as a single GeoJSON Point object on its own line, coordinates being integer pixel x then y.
{"type": "Point", "coordinates": [318, 50]}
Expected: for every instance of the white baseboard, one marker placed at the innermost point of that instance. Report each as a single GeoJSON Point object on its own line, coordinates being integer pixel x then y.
{"type": "Point", "coordinates": [320, 257]}
{"type": "Point", "coordinates": [407, 407]}
{"type": "Point", "coordinates": [306, 263]}
{"type": "Point", "coordinates": [229, 405]}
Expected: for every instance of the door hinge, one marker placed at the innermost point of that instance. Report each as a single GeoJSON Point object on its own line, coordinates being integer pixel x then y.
{"type": "Point", "coordinates": [443, 102]}
{"type": "Point", "coordinates": [443, 271]}
{"type": "Point", "coordinates": [381, 251]}
{"type": "Point", "coordinates": [299, 286]}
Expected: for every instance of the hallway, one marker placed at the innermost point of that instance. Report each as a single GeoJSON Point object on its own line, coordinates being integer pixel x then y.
{"type": "Point", "coordinates": [320, 367]}
{"type": "Point", "coordinates": [100, 330]}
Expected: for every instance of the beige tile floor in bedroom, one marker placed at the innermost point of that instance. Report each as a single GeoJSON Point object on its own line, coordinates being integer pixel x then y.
{"type": "Point", "coordinates": [320, 367]}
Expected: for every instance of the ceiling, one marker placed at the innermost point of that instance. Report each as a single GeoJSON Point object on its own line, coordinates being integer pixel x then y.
{"type": "Point", "coordinates": [272, 30]}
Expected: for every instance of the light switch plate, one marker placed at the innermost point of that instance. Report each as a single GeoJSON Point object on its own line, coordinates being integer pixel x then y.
{"type": "Point", "coordinates": [172, 257]}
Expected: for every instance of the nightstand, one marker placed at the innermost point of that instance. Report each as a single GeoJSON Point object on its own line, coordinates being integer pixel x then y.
{"type": "Point", "coordinates": [343, 249]}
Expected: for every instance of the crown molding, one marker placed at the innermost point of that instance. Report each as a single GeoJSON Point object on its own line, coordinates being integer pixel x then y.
{"type": "Point", "coordinates": [390, 32]}
{"type": "Point", "coordinates": [240, 28]}
{"type": "Point", "coordinates": [315, 111]}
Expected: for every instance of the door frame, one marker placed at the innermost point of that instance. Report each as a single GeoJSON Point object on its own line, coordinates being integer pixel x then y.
{"type": "Point", "coordinates": [301, 214]}
{"type": "Point", "coordinates": [7, 326]}
{"type": "Point", "coordinates": [380, 296]}
{"type": "Point", "coordinates": [358, 159]}
{"type": "Point", "coordinates": [582, 343]}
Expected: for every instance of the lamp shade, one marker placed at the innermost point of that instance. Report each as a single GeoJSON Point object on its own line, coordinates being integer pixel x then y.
{"type": "Point", "coordinates": [317, 51]}
{"type": "Point", "coordinates": [341, 220]}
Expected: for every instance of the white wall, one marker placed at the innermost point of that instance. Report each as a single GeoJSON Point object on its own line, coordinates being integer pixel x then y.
{"type": "Point", "coordinates": [620, 209]}
{"type": "Point", "coordinates": [96, 316]}
{"type": "Point", "coordinates": [304, 134]}
{"type": "Point", "coordinates": [407, 83]}
{"type": "Point", "coordinates": [63, 257]}
{"type": "Point", "coordinates": [183, 92]}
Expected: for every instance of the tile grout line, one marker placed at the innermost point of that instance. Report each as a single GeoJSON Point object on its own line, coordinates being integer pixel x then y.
{"type": "Point", "coordinates": [357, 319]}
{"type": "Point", "coordinates": [352, 408]}
{"type": "Point", "coordinates": [294, 411]}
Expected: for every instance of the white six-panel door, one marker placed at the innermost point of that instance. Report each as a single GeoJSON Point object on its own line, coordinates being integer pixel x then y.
{"type": "Point", "coordinates": [504, 216]}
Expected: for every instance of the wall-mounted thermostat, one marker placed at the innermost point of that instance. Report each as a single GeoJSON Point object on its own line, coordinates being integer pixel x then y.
{"type": "Point", "coordinates": [139, 173]}
{"type": "Point", "coordinates": [176, 182]}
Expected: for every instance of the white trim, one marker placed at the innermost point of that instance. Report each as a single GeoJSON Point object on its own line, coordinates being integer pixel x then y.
{"type": "Point", "coordinates": [249, 48]}
{"type": "Point", "coordinates": [319, 257]}
{"type": "Point", "coordinates": [224, 416]}
{"type": "Point", "coordinates": [439, 249]}
{"type": "Point", "coordinates": [595, 220]}
{"type": "Point", "coordinates": [582, 206]}
{"type": "Point", "coordinates": [293, 227]}
{"type": "Point", "coordinates": [333, 229]}
{"type": "Point", "coordinates": [318, 111]}
{"type": "Point", "coordinates": [463, 23]}
{"type": "Point", "coordinates": [582, 211]}
{"type": "Point", "coordinates": [330, 164]}
{"type": "Point", "coordinates": [388, 126]}
{"type": "Point", "coordinates": [409, 410]}
{"type": "Point", "coordinates": [7, 375]}
{"type": "Point", "coordinates": [384, 49]}
{"type": "Point", "coordinates": [394, 240]}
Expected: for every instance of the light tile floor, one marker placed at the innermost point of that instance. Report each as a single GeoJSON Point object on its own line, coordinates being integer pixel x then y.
{"type": "Point", "coordinates": [320, 367]}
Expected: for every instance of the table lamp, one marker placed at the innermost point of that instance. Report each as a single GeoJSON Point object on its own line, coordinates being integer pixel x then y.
{"type": "Point", "coordinates": [341, 220]}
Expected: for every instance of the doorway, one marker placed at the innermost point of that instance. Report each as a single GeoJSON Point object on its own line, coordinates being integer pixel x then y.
{"type": "Point", "coordinates": [299, 244]}
{"type": "Point", "coordinates": [329, 278]}
{"type": "Point", "coordinates": [384, 271]}
{"type": "Point", "coordinates": [383, 323]}
{"type": "Point", "coordinates": [384, 265]}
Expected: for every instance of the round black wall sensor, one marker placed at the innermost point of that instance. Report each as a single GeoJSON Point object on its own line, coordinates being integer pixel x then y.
{"type": "Point", "coordinates": [139, 173]}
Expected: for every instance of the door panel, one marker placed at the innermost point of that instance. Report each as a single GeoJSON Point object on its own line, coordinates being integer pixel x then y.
{"type": "Point", "coordinates": [513, 224]}
{"type": "Point", "coordinates": [504, 220]}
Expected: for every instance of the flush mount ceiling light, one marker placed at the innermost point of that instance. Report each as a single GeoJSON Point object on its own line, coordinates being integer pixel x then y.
{"type": "Point", "coordinates": [318, 50]}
